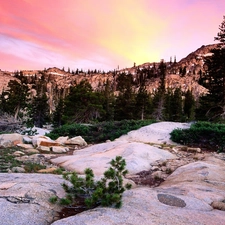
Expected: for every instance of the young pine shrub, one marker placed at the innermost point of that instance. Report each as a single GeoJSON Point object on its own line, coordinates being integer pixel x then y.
{"type": "Point", "coordinates": [109, 189]}
{"type": "Point", "coordinates": [106, 192]}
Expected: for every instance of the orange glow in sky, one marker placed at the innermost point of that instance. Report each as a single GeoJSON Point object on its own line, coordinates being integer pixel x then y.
{"type": "Point", "coordinates": [103, 34]}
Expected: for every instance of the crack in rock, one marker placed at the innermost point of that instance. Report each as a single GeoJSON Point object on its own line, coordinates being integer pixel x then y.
{"type": "Point", "coordinates": [18, 200]}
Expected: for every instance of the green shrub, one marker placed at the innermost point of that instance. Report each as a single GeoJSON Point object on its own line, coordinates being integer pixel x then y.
{"type": "Point", "coordinates": [203, 134]}
{"type": "Point", "coordinates": [53, 199]}
{"type": "Point", "coordinates": [69, 130]}
{"type": "Point", "coordinates": [59, 171]}
{"type": "Point", "coordinates": [106, 192]}
{"type": "Point", "coordinates": [99, 132]}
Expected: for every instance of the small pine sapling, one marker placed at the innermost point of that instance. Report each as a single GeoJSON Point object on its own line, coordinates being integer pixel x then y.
{"type": "Point", "coordinates": [110, 188]}
{"type": "Point", "coordinates": [106, 192]}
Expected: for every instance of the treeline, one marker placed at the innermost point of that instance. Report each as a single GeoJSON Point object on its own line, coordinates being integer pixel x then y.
{"type": "Point", "coordinates": [83, 105]}
{"type": "Point", "coordinates": [128, 100]}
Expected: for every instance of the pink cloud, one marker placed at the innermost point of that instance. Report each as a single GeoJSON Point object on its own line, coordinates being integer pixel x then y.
{"type": "Point", "coordinates": [85, 33]}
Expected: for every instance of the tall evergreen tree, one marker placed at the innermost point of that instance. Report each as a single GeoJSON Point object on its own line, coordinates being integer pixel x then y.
{"type": "Point", "coordinates": [143, 103]}
{"type": "Point", "coordinates": [14, 99]}
{"type": "Point", "coordinates": [109, 101]}
{"type": "Point", "coordinates": [58, 113]}
{"type": "Point", "coordinates": [214, 80]}
{"type": "Point", "coordinates": [176, 105]}
{"type": "Point", "coordinates": [125, 101]}
{"type": "Point", "coordinates": [82, 104]}
{"type": "Point", "coordinates": [168, 111]}
{"type": "Point", "coordinates": [39, 110]}
{"type": "Point", "coordinates": [189, 106]}
{"type": "Point", "coordinates": [158, 100]}
{"type": "Point", "coordinates": [173, 105]}
{"type": "Point", "coordinates": [221, 34]}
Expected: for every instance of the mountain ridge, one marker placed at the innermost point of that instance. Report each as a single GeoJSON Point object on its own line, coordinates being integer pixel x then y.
{"type": "Point", "coordinates": [183, 74]}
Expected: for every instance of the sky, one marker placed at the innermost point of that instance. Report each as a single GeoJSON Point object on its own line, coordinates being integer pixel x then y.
{"type": "Point", "coordinates": [103, 34]}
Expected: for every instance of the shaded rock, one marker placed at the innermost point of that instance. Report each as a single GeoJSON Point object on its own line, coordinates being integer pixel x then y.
{"type": "Point", "coordinates": [171, 200]}
{"type": "Point", "coordinates": [31, 151]}
{"type": "Point", "coordinates": [47, 170]}
{"type": "Point", "coordinates": [76, 141]}
{"type": "Point", "coordinates": [18, 153]}
{"type": "Point", "coordinates": [36, 140]}
{"type": "Point", "coordinates": [10, 140]}
{"type": "Point", "coordinates": [18, 169]}
{"type": "Point", "coordinates": [24, 198]}
{"type": "Point", "coordinates": [42, 159]}
{"type": "Point", "coordinates": [218, 205]}
{"type": "Point", "coordinates": [59, 149]}
{"type": "Point", "coordinates": [40, 131]}
{"type": "Point", "coordinates": [194, 150]}
{"type": "Point", "coordinates": [27, 140]}
{"type": "Point", "coordinates": [43, 148]}
{"type": "Point", "coordinates": [25, 146]}
{"type": "Point", "coordinates": [61, 140]}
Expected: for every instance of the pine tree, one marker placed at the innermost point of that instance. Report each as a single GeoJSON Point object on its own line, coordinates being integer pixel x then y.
{"type": "Point", "coordinates": [82, 104]}
{"type": "Point", "coordinates": [39, 110]}
{"type": "Point", "coordinates": [159, 98]}
{"type": "Point", "coordinates": [109, 101]}
{"type": "Point", "coordinates": [14, 100]}
{"type": "Point", "coordinates": [168, 111]}
{"type": "Point", "coordinates": [58, 114]}
{"type": "Point", "coordinates": [214, 80]}
{"type": "Point", "coordinates": [184, 71]}
{"type": "Point", "coordinates": [176, 105]}
{"type": "Point", "coordinates": [173, 105]}
{"type": "Point", "coordinates": [143, 103]}
{"type": "Point", "coordinates": [38, 107]}
{"type": "Point", "coordinates": [125, 101]}
{"type": "Point", "coordinates": [189, 106]}
{"type": "Point", "coordinates": [221, 34]}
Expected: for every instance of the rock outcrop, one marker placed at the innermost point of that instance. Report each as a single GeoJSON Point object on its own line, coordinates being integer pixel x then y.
{"type": "Point", "coordinates": [192, 191]}
{"type": "Point", "coordinates": [134, 147]}
{"type": "Point", "coordinates": [185, 198]}
{"type": "Point", "coordinates": [9, 140]}
{"type": "Point", "coordinates": [138, 156]}
{"type": "Point", "coordinates": [24, 198]}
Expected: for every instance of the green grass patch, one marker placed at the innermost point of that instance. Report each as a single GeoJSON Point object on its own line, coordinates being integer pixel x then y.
{"type": "Point", "coordinates": [7, 160]}
{"type": "Point", "coordinates": [33, 167]}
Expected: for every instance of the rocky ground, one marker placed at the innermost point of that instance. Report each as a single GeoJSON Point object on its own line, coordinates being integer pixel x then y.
{"type": "Point", "coordinates": [171, 184]}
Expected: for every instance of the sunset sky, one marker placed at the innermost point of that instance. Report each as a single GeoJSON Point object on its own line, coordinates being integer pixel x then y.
{"type": "Point", "coordinates": [103, 34]}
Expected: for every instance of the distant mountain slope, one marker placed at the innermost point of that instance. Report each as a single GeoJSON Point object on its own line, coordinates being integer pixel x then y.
{"type": "Point", "coordinates": [58, 81]}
